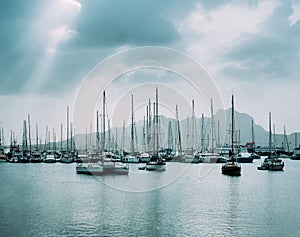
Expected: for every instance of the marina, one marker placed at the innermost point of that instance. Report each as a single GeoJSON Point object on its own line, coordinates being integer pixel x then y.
{"type": "Point", "coordinates": [149, 118]}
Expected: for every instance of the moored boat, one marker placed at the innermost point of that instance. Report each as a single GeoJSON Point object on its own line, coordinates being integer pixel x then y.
{"type": "Point", "coordinates": [232, 168]}
{"type": "Point", "coordinates": [90, 168]}
{"type": "Point", "coordinates": [66, 158]}
{"type": "Point", "coordinates": [144, 157]}
{"type": "Point", "coordinates": [213, 158]}
{"type": "Point", "coordinates": [50, 158]}
{"type": "Point", "coordinates": [156, 164]}
{"type": "Point", "coordinates": [296, 154]}
{"type": "Point", "coordinates": [271, 162]}
{"type": "Point", "coordinates": [244, 156]}
{"type": "Point", "coordinates": [187, 158]}
{"type": "Point", "coordinates": [130, 159]}
{"type": "Point", "coordinates": [35, 157]}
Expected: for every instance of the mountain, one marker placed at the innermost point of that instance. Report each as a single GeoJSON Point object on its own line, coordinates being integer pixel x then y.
{"type": "Point", "coordinates": [222, 120]}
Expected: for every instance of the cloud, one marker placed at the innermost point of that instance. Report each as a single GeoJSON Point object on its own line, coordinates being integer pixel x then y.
{"type": "Point", "coordinates": [115, 23]}
{"type": "Point", "coordinates": [30, 30]}
{"type": "Point", "coordinates": [270, 53]}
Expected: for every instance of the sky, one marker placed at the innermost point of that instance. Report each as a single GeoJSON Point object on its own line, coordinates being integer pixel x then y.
{"type": "Point", "coordinates": [249, 48]}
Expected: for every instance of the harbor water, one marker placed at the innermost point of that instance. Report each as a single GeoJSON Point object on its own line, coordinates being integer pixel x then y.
{"type": "Point", "coordinates": [185, 200]}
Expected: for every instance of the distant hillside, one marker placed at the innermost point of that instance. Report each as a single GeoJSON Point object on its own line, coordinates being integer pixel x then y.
{"type": "Point", "coordinates": [221, 132]}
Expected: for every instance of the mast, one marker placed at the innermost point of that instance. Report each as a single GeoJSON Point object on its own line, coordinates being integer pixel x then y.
{"type": "Point", "coordinates": [90, 136]}
{"type": "Point", "coordinates": [61, 135]}
{"type": "Point", "coordinates": [156, 115]}
{"type": "Point", "coordinates": [239, 138]}
{"type": "Point", "coordinates": [154, 129]}
{"type": "Point", "coordinates": [97, 132]}
{"type": "Point", "coordinates": [11, 138]}
{"type": "Point", "coordinates": [270, 135]}
{"type": "Point", "coordinates": [170, 136]}
{"type": "Point", "coordinates": [202, 133]}
{"type": "Point", "coordinates": [116, 139]}
{"type": "Point", "coordinates": [86, 141]}
{"type": "Point", "coordinates": [25, 144]}
{"type": "Point", "coordinates": [232, 126]}
{"type": "Point", "coordinates": [286, 139]}
{"type": "Point", "coordinates": [149, 125]}
{"type": "Point", "coordinates": [29, 137]}
{"type": "Point", "coordinates": [67, 128]}
{"type": "Point", "coordinates": [274, 136]}
{"type": "Point", "coordinates": [103, 121]}
{"type": "Point", "coordinates": [132, 127]}
{"type": "Point", "coordinates": [46, 137]}
{"type": "Point", "coordinates": [193, 126]}
{"type": "Point", "coordinates": [37, 136]}
{"type": "Point", "coordinates": [187, 134]}
{"type": "Point", "coordinates": [147, 131]}
{"type": "Point", "coordinates": [123, 137]}
{"type": "Point", "coordinates": [252, 134]}
{"type": "Point", "coordinates": [71, 137]}
{"type": "Point", "coordinates": [218, 138]}
{"type": "Point", "coordinates": [53, 138]}
{"type": "Point", "coordinates": [144, 134]}
{"type": "Point", "coordinates": [212, 126]}
{"type": "Point", "coordinates": [74, 144]}
{"type": "Point", "coordinates": [179, 134]}
{"type": "Point", "coordinates": [3, 136]}
{"type": "Point", "coordinates": [49, 139]}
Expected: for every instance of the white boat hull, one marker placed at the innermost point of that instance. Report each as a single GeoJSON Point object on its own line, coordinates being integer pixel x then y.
{"type": "Point", "coordinates": [155, 167]}
{"type": "Point", "coordinates": [93, 169]}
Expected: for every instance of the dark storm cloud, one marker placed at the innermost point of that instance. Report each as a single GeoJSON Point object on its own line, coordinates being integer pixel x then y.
{"type": "Point", "coordinates": [134, 22]}
{"type": "Point", "coordinates": [272, 54]}
{"type": "Point", "coordinates": [100, 24]}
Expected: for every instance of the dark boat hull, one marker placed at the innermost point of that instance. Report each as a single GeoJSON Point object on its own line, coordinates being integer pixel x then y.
{"type": "Point", "coordinates": [231, 169]}
{"type": "Point", "coordinates": [295, 157]}
{"type": "Point", "coordinates": [245, 159]}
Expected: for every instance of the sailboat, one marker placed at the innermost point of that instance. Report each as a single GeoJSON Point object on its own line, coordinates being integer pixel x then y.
{"type": "Point", "coordinates": [131, 158]}
{"type": "Point", "coordinates": [94, 165]}
{"type": "Point", "coordinates": [212, 156]}
{"type": "Point", "coordinates": [156, 163]}
{"type": "Point", "coordinates": [232, 168]}
{"type": "Point", "coordinates": [3, 157]}
{"type": "Point", "coordinates": [191, 155]}
{"type": "Point", "coordinates": [66, 156]}
{"type": "Point", "coordinates": [296, 152]}
{"type": "Point", "coordinates": [110, 167]}
{"type": "Point", "coordinates": [271, 162]}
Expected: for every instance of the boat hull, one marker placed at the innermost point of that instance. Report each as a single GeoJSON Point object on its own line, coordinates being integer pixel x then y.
{"type": "Point", "coordinates": [66, 160]}
{"type": "Point", "coordinates": [295, 157]}
{"type": "Point", "coordinates": [273, 165]}
{"type": "Point", "coordinates": [99, 169]}
{"type": "Point", "coordinates": [276, 167]}
{"type": "Point", "coordinates": [245, 159]}
{"type": "Point", "coordinates": [89, 169]}
{"type": "Point", "coordinates": [116, 170]}
{"type": "Point", "coordinates": [231, 169]}
{"type": "Point", "coordinates": [49, 161]}
{"type": "Point", "coordinates": [155, 167]}
{"type": "Point", "coordinates": [191, 159]}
